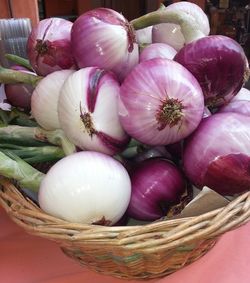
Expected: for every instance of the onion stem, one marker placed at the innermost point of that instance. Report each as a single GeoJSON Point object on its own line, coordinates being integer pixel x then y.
{"type": "Point", "coordinates": [19, 60]}
{"type": "Point", "coordinates": [12, 166]}
{"type": "Point", "coordinates": [16, 117]}
{"type": "Point", "coordinates": [8, 76]}
{"type": "Point", "coordinates": [189, 27]}
{"type": "Point", "coordinates": [35, 154]}
{"type": "Point", "coordinates": [35, 136]}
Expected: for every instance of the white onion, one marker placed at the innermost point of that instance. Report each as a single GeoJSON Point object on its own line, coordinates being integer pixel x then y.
{"type": "Point", "coordinates": [44, 99]}
{"type": "Point", "coordinates": [88, 113]}
{"type": "Point", "coordinates": [171, 33]}
{"type": "Point", "coordinates": [86, 187]}
{"type": "Point", "coordinates": [144, 36]}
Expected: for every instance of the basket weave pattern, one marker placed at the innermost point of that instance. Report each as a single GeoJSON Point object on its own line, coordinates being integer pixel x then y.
{"type": "Point", "coordinates": [142, 251]}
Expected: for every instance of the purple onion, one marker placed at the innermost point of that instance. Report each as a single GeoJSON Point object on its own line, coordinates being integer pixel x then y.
{"type": "Point", "coordinates": [19, 95]}
{"type": "Point", "coordinates": [157, 50]}
{"type": "Point", "coordinates": [219, 65]}
{"type": "Point", "coordinates": [102, 37]}
{"type": "Point", "coordinates": [239, 104]}
{"type": "Point", "coordinates": [160, 102]}
{"type": "Point", "coordinates": [217, 154]}
{"type": "Point", "coordinates": [49, 46]}
{"type": "Point", "coordinates": [156, 185]}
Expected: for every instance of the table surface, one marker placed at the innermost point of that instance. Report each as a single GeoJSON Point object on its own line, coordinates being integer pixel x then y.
{"type": "Point", "coordinates": [30, 259]}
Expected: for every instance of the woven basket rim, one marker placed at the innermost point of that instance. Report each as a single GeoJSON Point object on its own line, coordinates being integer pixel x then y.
{"type": "Point", "coordinates": [132, 252]}
{"type": "Point", "coordinates": [241, 203]}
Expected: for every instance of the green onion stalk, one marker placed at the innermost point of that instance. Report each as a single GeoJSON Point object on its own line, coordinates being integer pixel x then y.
{"type": "Point", "coordinates": [35, 136]}
{"type": "Point", "coordinates": [9, 76]}
{"type": "Point", "coordinates": [19, 61]}
{"type": "Point", "coordinates": [16, 117]}
{"type": "Point", "coordinates": [13, 167]}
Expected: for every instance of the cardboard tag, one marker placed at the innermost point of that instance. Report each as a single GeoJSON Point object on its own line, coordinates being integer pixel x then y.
{"type": "Point", "coordinates": [206, 200]}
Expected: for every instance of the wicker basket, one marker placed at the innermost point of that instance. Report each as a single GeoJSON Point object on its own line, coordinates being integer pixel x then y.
{"type": "Point", "coordinates": [144, 252]}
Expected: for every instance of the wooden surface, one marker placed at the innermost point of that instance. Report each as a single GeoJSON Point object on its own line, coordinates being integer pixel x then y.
{"type": "Point", "coordinates": [4, 9]}
{"type": "Point", "coordinates": [20, 9]}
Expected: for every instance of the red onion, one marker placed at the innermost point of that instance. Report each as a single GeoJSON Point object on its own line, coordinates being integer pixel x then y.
{"type": "Point", "coordinates": [218, 63]}
{"type": "Point", "coordinates": [160, 102]}
{"type": "Point", "coordinates": [171, 33]}
{"type": "Point", "coordinates": [88, 111]}
{"type": "Point", "coordinates": [217, 154]}
{"type": "Point", "coordinates": [157, 50]}
{"type": "Point", "coordinates": [156, 185]}
{"type": "Point", "coordinates": [104, 38]}
{"type": "Point", "coordinates": [19, 95]}
{"type": "Point", "coordinates": [239, 104]}
{"type": "Point", "coordinates": [49, 46]}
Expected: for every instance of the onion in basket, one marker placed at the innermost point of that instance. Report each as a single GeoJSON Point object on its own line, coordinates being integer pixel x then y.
{"type": "Point", "coordinates": [217, 62]}
{"type": "Point", "coordinates": [160, 102]}
{"type": "Point", "coordinates": [49, 46]}
{"type": "Point", "coordinates": [156, 185]}
{"type": "Point", "coordinates": [217, 155]}
{"type": "Point", "coordinates": [86, 187]}
{"type": "Point", "coordinates": [45, 97]}
{"type": "Point", "coordinates": [171, 33]}
{"type": "Point", "coordinates": [87, 111]}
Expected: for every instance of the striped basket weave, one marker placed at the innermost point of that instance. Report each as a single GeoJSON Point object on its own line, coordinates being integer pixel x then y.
{"type": "Point", "coordinates": [142, 251]}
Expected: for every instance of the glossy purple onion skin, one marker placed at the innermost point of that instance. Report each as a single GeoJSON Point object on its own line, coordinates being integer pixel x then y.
{"type": "Point", "coordinates": [19, 95]}
{"type": "Point", "coordinates": [219, 65]}
{"type": "Point", "coordinates": [156, 184]}
{"type": "Point", "coordinates": [142, 97]}
{"type": "Point", "coordinates": [102, 37]}
{"type": "Point", "coordinates": [217, 154]}
{"type": "Point", "coordinates": [49, 46]}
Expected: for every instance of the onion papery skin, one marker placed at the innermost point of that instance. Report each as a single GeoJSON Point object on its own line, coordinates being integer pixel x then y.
{"type": "Point", "coordinates": [88, 111]}
{"type": "Point", "coordinates": [217, 154]}
{"type": "Point", "coordinates": [239, 104]}
{"type": "Point", "coordinates": [102, 37]}
{"type": "Point", "coordinates": [86, 187]}
{"type": "Point", "coordinates": [171, 33]}
{"type": "Point", "coordinates": [146, 91]}
{"type": "Point", "coordinates": [45, 97]}
{"type": "Point", "coordinates": [219, 65]}
{"type": "Point", "coordinates": [156, 184]}
{"type": "Point", "coordinates": [157, 50]}
{"type": "Point", "coordinates": [49, 46]}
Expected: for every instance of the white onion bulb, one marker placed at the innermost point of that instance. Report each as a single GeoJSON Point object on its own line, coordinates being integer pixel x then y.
{"type": "Point", "coordinates": [88, 111]}
{"type": "Point", "coordinates": [44, 99]}
{"type": "Point", "coordinates": [171, 33]}
{"type": "Point", "coordinates": [86, 187]}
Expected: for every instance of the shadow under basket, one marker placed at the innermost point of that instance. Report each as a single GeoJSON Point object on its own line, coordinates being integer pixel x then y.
{"type": "Point", "coordinates": [131, 252]}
